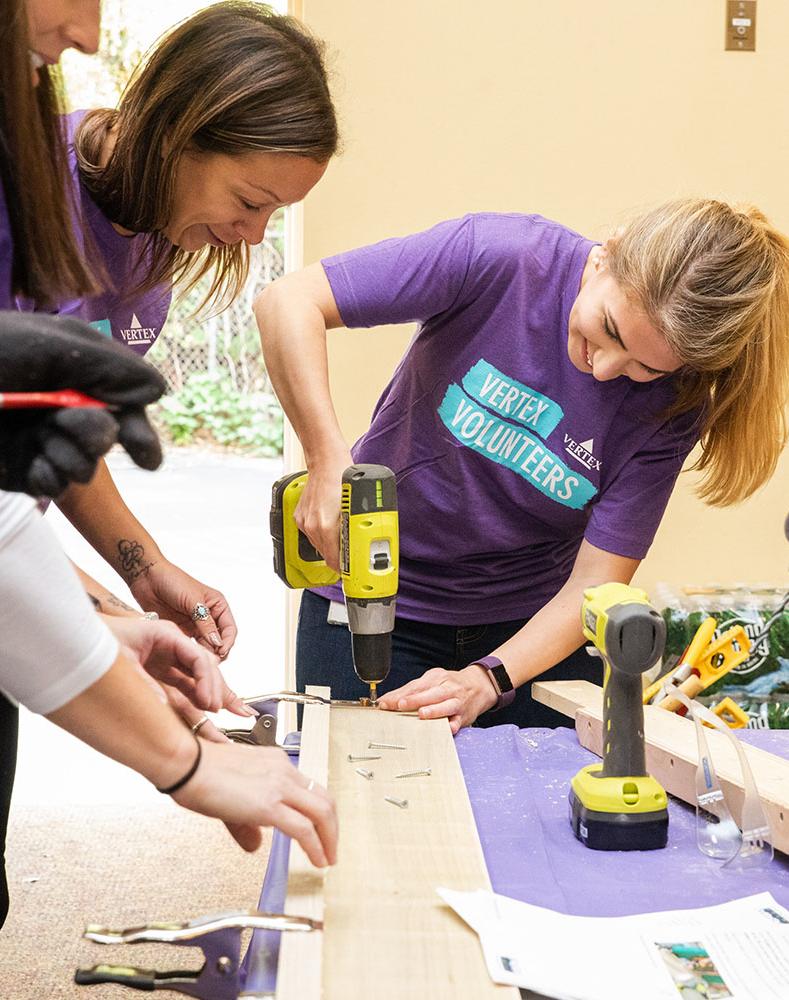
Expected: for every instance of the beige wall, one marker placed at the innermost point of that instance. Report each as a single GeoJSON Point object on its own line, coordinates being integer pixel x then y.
{"type": "Point", "coordinates": [582, 111]}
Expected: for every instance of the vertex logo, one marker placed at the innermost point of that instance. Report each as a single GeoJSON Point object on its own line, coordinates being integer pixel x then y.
{"type": "Point", "coordinates": [582, 451]}
{"type": "Point", "coordinates": [137, 333]}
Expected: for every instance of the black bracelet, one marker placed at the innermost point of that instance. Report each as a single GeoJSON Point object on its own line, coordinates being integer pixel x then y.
{"type": "Point", "coordinates": [189, 774]}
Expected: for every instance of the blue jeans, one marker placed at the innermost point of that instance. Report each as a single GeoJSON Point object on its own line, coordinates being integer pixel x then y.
{"type": "Point", "coordinates": [323, 656]}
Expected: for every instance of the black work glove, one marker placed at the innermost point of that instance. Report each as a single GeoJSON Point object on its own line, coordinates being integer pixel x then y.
{"type": "Point", "coordinates": [42, 451]}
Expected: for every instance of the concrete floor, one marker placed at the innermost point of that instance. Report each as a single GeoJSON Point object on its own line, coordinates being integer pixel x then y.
{"type": "Point", "coordinates": [209, 514]}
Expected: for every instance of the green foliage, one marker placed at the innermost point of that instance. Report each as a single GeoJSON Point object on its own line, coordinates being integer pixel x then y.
{"type": "Point", "coordinates": [209, 409]}
{"type": "Point", "coordinates": [778, 715]}
{"type": "Point", "coordinates": [96, 81]}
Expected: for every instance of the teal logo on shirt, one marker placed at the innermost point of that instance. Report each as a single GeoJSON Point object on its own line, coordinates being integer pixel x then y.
{"type": "Point", "coordinates": [103, 326]}
{"type": "Point", "coordinates": [467, 417]}
{"type": "Point", "coordinates": [512, 399]}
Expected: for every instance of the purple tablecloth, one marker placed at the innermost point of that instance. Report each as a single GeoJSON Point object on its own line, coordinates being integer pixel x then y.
{"type": "Point", "coordinates": [517, 782]}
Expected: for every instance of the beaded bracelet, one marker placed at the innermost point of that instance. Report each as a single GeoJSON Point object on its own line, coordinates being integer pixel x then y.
{"type": "Point", "coordinates": [189, 774]}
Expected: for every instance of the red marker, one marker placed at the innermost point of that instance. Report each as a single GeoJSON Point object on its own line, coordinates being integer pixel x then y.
{"type": "Point", "coordinates": [48, 400]}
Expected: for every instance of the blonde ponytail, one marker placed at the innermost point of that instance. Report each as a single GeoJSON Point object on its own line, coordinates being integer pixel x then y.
{"type": "Point", "coordinates": [714, 280]}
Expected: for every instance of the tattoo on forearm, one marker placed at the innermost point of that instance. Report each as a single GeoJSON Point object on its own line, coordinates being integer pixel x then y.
{"type": "Point", "coordinates": [116, 602]}
{"type": "Point", "coordinates": [132, 559]}
{"type": "Point", "coordinates": [96, 601]}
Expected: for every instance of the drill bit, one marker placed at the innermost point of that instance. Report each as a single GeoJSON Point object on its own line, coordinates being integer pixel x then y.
{"type": "Point", "coordinates": [373, 692]}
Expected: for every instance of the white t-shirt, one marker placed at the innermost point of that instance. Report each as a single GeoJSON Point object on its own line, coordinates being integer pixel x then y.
{"type": "Point", "coordinates": [54, 646]}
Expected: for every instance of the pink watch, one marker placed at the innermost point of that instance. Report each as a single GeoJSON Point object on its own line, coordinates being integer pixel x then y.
{"type": "Point", "coordinates": [500, 679]}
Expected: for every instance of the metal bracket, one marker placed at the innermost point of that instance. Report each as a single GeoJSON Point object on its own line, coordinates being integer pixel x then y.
{"type": "Point", "coordinates": [263, 733]}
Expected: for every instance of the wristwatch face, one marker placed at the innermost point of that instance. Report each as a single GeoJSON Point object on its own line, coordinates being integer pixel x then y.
{"type": "Point", "coordinates": [502, 678]}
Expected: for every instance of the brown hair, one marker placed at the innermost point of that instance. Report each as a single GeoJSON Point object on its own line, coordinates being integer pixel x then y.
{"type": "Point", "coordinates": [233, 78]}
{"type": "Point", "coordinates": [714, 280]}
{"type": "Point", "coordinates": [47, 264]}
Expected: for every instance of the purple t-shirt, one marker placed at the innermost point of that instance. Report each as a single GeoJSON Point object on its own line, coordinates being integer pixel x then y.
{"type": "Point", "coordinates": [506, 455]}
{"type": "Point", "coordinates": [135, 320]}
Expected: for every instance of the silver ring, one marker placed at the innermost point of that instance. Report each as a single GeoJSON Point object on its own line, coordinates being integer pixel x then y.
{"type": "Point", "coordinates": [200, 613]}
{"type": "Point", "coordinates": [198, 725]}
{"type": "Point", "coordinates": [311, 785]}
{"type": "Point", "coordinates": [151, 616]}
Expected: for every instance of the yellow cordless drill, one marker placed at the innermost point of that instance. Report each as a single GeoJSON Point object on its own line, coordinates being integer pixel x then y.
{"type": "Point", "coordinates": [616, 805]}
{"type": "Point", "coordinates": [369, 554]}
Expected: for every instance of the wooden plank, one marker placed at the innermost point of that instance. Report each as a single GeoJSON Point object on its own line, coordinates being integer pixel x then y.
{"type": "Point", "coordinates": [387, 934]}
{"type": "Point", "coordinates": [299, 972]}
{"type": "Point", "coordinates": [672, 755]}
{"type": "Point", "coordinates": [568, 696]}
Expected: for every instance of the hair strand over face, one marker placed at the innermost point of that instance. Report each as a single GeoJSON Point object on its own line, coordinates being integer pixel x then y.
{"type": "Point", "coordinates": [714, 280]}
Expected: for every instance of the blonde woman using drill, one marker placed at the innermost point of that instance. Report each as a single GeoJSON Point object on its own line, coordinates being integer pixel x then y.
{"type": "Point", "coordinates": [536, 426]}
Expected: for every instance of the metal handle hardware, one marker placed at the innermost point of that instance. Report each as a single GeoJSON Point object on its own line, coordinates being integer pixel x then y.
{"type": "Point", "coordinates": [218, 936]}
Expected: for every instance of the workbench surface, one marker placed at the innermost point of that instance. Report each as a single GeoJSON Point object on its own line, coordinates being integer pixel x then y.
{"type": "Point", "coordinates": [518, 782]}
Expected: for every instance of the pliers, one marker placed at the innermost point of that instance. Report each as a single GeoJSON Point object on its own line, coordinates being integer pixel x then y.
{"type": "Point", "coordinates": [264, 731]}
{"type": "Point", "coordinates": [221, 976]}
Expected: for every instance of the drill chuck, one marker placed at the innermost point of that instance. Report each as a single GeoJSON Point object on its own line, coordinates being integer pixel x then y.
{"type": "Point", "coordinates": [372, 656]}
{"type": "Point", "coordinates": [371, 622]}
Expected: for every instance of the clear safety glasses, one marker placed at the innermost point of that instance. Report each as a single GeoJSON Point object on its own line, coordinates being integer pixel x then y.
{"type": "Point", "coordinates": [717, 834]}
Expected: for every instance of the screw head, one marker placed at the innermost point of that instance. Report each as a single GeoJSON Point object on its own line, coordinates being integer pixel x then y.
{"type": "Point", "coordinates": [224, 966]}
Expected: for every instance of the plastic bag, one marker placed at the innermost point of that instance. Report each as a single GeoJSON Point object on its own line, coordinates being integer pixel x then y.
{"type": "Point", "coordinates": [765, 674]}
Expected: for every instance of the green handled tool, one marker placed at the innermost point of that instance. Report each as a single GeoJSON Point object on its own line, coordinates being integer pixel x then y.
{"type": "Point", "coordinates": [616, 805]}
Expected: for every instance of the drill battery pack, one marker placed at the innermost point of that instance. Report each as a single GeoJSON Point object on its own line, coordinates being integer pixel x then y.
{"type": "Point", "coordinates": [618, 814]}
{"type": "Point", "coordinates": [618, 831]}
{"type": "Point", "coordinates": [296, 562]}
